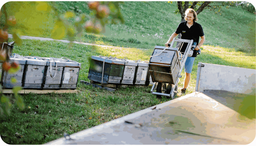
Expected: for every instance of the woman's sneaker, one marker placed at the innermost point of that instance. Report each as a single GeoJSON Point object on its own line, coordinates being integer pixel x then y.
{"type": "Point", "coordinates": [183, 90]}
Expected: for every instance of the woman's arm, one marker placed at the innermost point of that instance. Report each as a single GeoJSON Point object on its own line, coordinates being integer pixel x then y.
{"type": "Point", "coordinates": [171, 38]}
{"type": "Point", "coordinates": [200, 43]}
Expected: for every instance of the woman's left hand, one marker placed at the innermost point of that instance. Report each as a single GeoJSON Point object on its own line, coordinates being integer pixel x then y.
{"type": "Point", "coordinates": [197, 48]}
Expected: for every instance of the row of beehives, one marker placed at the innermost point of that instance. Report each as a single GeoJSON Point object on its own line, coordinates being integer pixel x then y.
{"type": "Point", "coordinates": [42, 73]}
{"type": "Point", "coordinates": [108, 70]}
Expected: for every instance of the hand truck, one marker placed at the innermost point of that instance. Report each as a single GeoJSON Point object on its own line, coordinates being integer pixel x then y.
{"type": "Point", "coordinates": [166, 64]}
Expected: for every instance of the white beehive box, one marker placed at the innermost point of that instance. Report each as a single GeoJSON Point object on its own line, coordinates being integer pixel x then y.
{"type": "Point", "coordinates": [141, 73]}
{"type": "Point", "coordinates": [70, 74]}
{"type": "Point", "coordinates": [18, 75]}
{"type": "Point", "coordinates": [129, 72]}
{"type": "Point", "coordinates": [34, 73]}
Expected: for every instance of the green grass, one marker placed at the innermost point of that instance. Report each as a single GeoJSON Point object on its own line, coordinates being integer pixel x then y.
{"type": "Point", "coordinates": [146, 24]}
{"type": "Point", "coordinates": [52, 115]}
{"type": "Point", "coordinates": [47, 117]}
{"type": "Point", "coordinates": [151, 23]}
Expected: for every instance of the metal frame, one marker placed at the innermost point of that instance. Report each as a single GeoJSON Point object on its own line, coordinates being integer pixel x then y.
{"type": "Point", "coordinates": [181, 62]}
{"type": "Point", "coordinates": [200, 65]}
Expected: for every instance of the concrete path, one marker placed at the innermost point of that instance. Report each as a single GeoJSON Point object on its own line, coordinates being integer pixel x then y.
{"type": "Point", "coordinates": [191, 119]}
{"type": "Point", "coordinates": [66, 41]}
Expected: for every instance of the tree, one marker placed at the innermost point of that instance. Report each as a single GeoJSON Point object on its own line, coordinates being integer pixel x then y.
{"type": "Point", "coordinates": [196, 5]}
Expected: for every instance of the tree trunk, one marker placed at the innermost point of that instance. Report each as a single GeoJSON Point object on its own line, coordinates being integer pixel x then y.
{"type": "Point", "coordinates": [200, 9]}
{"type": "Point", "coordinates": [181, 10]}
{"type": "Point", "coordinates": [193, 5]}
{"type": "Point", "coordinates": [186, 5]}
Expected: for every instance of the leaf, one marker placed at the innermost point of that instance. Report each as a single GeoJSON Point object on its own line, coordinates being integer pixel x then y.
{"type": "Point", "coordinates": [17, 39]}
{"type": "Point", "coordinates": [59, 30]}
{"type": "Point", "coordinates": [69, 14]}
{"type": "Point", "coordinates": [112, 7]}
{"type": "Point", "coordinates": [4, 99]}
{"type": "Point", "coordinates": [71, 31]}
{"type": "Point", "coordinates": [13, 80]}
{"type": "Point", "coordinates": [43, 6]}
{"type": "Point", "coordinates": [20, 103]}
{"type": "Point", "coordinates": [13, 70]}
{"type": "Point", "coordinates": [16, 89]}
{"type": "Point", "coordinates": [1, 110]}
{"type": "Point", "coordinates": [7, 108]}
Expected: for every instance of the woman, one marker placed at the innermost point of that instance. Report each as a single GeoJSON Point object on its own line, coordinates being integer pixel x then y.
{"type": "Point", "coordinates": [189, 30]}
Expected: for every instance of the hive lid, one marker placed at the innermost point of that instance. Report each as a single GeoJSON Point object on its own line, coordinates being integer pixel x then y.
{"type": "Point", "coordinates": [73, 64]}
{"type": "Point", "coordinates": [109, 60]}
{"type": "Point", "coordinates": [21, 61]}
{"type": "Point", "coordinates": [54, 63]}
{"type": "Point", "coordinates": [162, 55]}
{"type": "Point", "coordinates": [35, 62]}
{"type": "Point", "coordinates": [142, 63]}
{"type": "Point", "coordinates": [130, 62]}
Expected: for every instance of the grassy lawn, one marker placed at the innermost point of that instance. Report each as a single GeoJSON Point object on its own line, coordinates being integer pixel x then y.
{"type": "Point", "coordinates": [47, 117]}
{"type": "Point", "coordinates": [146, 24]}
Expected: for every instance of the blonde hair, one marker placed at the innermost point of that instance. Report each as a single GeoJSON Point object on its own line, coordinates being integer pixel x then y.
{"type": "Point", "coordinates": [190, 10]}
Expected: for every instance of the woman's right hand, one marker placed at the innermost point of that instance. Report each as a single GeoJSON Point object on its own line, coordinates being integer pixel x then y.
{"type": "Point", "coordinates": [166, 44]}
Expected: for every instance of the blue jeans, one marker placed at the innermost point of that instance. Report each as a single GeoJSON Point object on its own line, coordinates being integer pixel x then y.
{"type": "Point", "coordinates": [189, 64]}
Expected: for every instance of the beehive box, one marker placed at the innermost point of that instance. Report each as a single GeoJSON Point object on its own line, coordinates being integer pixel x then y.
{"type": "Point", "coordinates": [141, 77]}
{"type": "Point", "coordinates": [70, 74]}
{"type": "Point", "coordinates": [34, 73]}
{"type": "Point", "coordinates": [129, 72]}
{"type": "Point", "coordinates": [18, 75]}
{"type": "Point", "coordinates": [54, 70]}
{"type": "Point", "coordinates": [164, 65]}
{"type": "Point", "coordinates": [111, 69]}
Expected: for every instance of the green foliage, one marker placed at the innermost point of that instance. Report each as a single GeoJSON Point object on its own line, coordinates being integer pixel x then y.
{"type": "Point", "coordinates": [247, 107]}
{"type": "Point", "coordinates": [5, 107]}
{"type": "Point", "coordinates": [17, 38]}
{"type": "Point", "coordinates": [249, 7]}
{"type": "Point", "coordinates": [59, 30]}
{"type": "Point", "coordinates": [30, 22]}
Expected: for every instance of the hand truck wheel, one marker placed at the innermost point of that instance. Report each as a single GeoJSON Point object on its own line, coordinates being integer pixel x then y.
{"type": "Point", "coordinates": [169, 88]}
{"type": "Point", "coordinates": [161, 88]}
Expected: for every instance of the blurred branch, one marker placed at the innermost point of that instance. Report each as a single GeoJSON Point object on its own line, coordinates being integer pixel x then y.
{"type": "Point", "coordinates": [200, 9]}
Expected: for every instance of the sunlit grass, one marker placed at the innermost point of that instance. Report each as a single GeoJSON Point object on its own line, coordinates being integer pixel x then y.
{"type": "Point", "coordinates": [144, 28]}
{"type": "Point", "coordinates": [230, 56]}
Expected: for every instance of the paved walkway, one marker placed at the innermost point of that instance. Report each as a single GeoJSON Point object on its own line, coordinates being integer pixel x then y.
{"type": "Point", "coordinates": [66, 41]}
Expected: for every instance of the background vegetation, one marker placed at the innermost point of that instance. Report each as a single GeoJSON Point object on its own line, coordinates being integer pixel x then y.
{"type": "Point", "coordinates": [230, 38]}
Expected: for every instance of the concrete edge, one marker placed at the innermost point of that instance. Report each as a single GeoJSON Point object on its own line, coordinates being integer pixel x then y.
{"type": "Point", "coordinates": [95, 129]}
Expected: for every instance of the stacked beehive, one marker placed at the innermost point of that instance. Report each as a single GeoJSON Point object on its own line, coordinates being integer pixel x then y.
{"type": "Point", "coordinates": [43, 73]}
{"type": "Point", "coordinates": [109, 70]}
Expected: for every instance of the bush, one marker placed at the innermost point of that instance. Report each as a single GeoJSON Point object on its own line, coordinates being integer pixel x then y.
{"type": "Point", "coordinates": [249, 7]}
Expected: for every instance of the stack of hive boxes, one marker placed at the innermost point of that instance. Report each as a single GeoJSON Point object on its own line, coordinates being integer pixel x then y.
{"type": "Point", "coordinates": [109, 70]}
{"type": "Point", "coordinates": [43, 73]}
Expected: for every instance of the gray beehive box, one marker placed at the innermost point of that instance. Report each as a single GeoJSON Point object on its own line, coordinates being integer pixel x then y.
{"type": "Point", "coordinates": [54, 69]}
{"type": "Point", "coordinates": [18, 75]}
{"type": "Point", "coordinates": [164, 65]}
{"type": "Point", "coordinates": [110, 68]}
{"type": "Point", "coordinates": [70, 74]}
{"type": "Point", "coordinates": [141, 73]}
{"type": "Point", "coordinates": [129, 72]}
{"type": "Point", "coordinates": [34, 73]}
